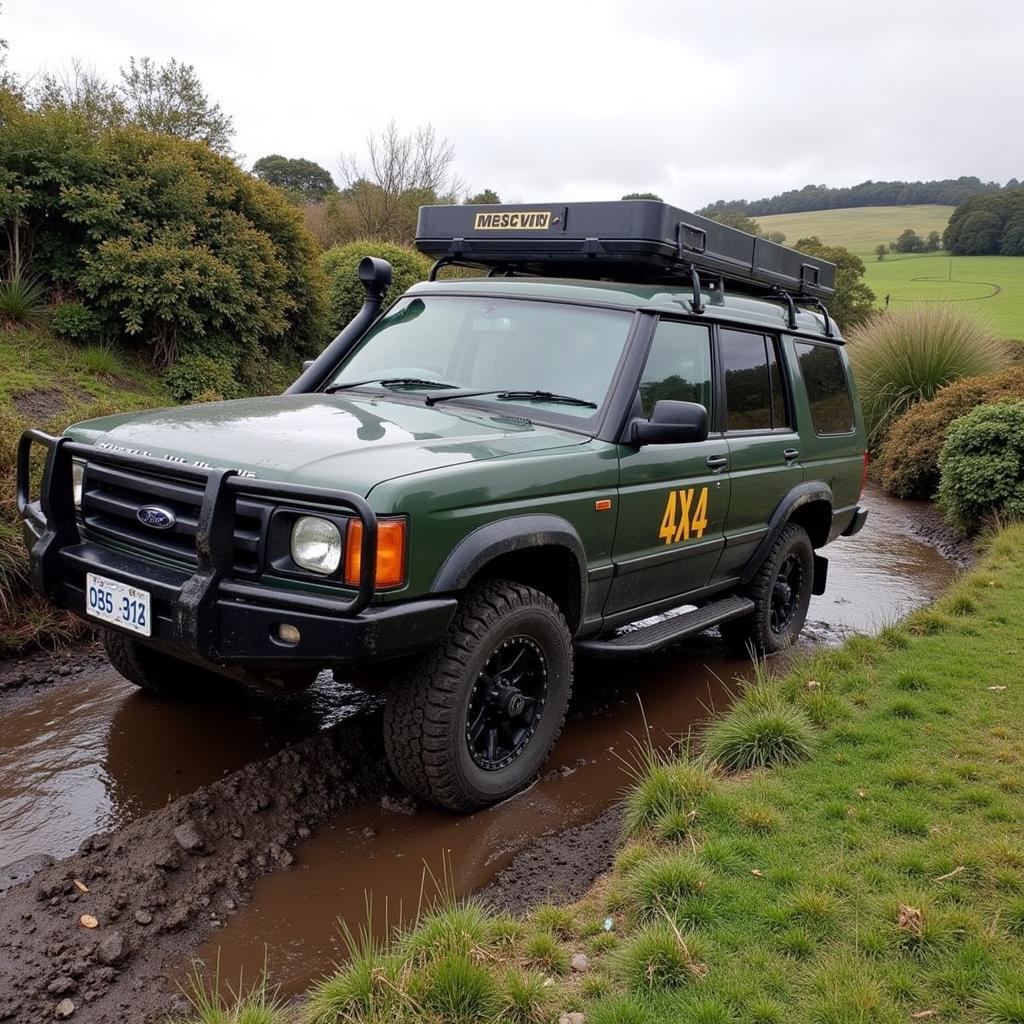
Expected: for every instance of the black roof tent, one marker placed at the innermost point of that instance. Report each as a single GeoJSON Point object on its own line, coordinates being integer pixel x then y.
{"type": "Point", "coordinates": [637, 240]}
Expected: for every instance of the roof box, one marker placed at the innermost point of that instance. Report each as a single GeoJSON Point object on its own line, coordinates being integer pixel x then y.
{"type": "Point", "coordinates": [631, 240]}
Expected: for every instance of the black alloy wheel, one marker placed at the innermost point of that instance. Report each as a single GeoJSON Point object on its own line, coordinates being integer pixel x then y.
{"type": "Point", "coordinates": [506, 703]}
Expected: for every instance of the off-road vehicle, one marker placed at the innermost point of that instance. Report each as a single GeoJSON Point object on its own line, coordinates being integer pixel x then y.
{"type": "Point", "coordinates": [632, 411]}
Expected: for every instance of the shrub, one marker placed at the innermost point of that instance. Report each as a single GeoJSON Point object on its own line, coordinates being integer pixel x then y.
{"type": "Point", "coordinates": [904, 357]}
{"type": "Point", "coordinates": [344, 292]}
{"type": "Point", "coordinates": [23, 302]}
{"type": "Point", "coordinates": [908, 461]}
{"type": "Point", "coordinates": [195, 374]}
{"type": "Point", "coordinates": [73, 320]}
{"type": "Point", "coordinates": [760, 734]}
{"type": "Point", "coordinates": [167, 240]}
{"type": "Point", "coordinates": [981, 466]}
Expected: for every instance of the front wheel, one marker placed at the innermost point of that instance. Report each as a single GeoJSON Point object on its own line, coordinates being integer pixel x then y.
{"type": "Point", "coordinates": [781, 592]}
{"type": "Point", "coordinates": [475, 720]}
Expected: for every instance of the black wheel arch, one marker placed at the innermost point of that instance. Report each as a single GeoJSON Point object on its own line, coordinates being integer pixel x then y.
{"type": "Point", "coordinates": [540, 550]}
{"type": "Point", "coordinates": [808, 504]}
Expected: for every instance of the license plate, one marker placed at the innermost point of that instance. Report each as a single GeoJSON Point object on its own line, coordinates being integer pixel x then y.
{"type": "Point", "coordinates": [117, 603]}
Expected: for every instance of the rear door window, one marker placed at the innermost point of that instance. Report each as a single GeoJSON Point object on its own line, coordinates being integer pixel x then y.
{"type": "Point", "coordinates": [755, 398]}
{"type": "Point", "coordinates": [828, 391]}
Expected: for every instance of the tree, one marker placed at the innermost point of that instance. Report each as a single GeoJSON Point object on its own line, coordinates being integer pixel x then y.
{"type": "Point", "coordinates": [778, 237]}
{"type": "Point", "coordinates": [401, 172]}
{"type": "Point", "coordinates": [169, 98]}
{"type": "Point", "coordinates": [979, 226]}
{"type": "Point", "coordinates": [735, 219]}
{"type": "Point", "coordinates": [909, 241]}
{"type": "Point", "coordinates": [933, 243]}
{"type": "Point", "coordinates": [880, 251]}
{"type": "Point", "coordinates": [853, 299]}
{"type": "Point", "coordinates": [644, 195]}
{"type": "Point", "coordinates": [488, 197]}
{"type": "Point", "coordinates": [302, 179]}
{"type": "Point", "coordinates": [81, 90]}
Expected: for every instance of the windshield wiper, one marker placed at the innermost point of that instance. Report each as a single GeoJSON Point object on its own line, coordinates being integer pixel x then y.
{"type": "Point", "coordinates": [504, 395]}
{"type": "Point", "coordinates": [388, 382]}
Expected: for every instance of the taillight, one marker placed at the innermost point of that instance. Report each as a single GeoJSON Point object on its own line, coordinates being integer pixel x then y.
{"type": "Point", "coordinates": [390, 571]}
{"type": "Point", "coordinates": [864, 471]}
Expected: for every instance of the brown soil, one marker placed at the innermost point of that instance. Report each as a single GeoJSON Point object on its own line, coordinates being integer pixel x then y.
{"type": "Point", "coordinates": [160, 884]}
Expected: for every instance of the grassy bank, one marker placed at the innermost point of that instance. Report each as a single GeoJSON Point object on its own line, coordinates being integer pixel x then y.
{"type": "Point", "coordinates": [47, 383]}
{"type": "Point", "coordinates": [873, 873]}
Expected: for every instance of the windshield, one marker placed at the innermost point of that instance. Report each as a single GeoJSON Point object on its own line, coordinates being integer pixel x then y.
{"type": "Point", "coordinates": [506, 346]}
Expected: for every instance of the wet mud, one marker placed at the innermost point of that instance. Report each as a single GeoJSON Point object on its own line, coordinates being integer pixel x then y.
{"type": "Point", "coordinates": [299, 783]}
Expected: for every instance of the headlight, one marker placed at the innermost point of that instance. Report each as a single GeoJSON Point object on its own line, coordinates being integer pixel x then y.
{"type": "Point", "coordinates": [77, 479]}
{"type": "Point", "coordinates": [316, 545]}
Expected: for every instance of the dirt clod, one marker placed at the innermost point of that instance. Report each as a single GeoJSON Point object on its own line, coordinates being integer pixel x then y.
{"type": "Point", "coordinates": [112, 949]}
{"type": "Point", "coordinates": [189, 836]}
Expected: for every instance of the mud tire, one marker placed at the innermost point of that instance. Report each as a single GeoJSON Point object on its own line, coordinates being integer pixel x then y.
{"type": "Point", "coordinates": [154, 671]}
{"type": "Point", "coordinates": [425, 716]}
{"type": "Point", "coordinates": [755, 630]}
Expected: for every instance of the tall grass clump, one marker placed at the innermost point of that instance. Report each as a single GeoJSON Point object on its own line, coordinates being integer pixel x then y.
{"type": "Point", "coordinates": [23, 302]}
{"type": "Point", "coordinates": [761, 730]}
{"type": "Point", "coordinates": [902, 357]}
{"type": "Point", "coordinates": [667, 793]}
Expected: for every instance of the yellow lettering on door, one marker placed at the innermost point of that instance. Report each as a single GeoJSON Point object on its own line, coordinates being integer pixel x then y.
{"type": "Point", "coordinates": [678, 522]}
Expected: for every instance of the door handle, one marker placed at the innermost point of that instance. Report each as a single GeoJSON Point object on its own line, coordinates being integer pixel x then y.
{"type": "Point", "coordinates": [791, 454]}
{"type": "Point", "coordinates": [716, 462]}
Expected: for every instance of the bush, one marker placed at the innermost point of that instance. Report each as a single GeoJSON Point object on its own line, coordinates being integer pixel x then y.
{"type": "Point", "coordinates": [908, 461]}
{"type": "Point", "coordinates": [72, 320]}
{"type": "Point", "coordinates": [195, 374]}
{"type": "Point", "coordinates": [344, 292]}
{"type": "Point", "coordinates": [981, 466]}
{"type": "Point", "coordinates": [904, 357]}
{"type": "Point", "coordinates": [167, 240]}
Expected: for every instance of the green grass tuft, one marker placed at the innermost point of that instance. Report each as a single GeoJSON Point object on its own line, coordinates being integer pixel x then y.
{"type": "Point", "coordinates": [544, 951]}
{"type": "Point", "coordinates": [668, 792]}
{"type": "Point", "coordinates": [657, 957]}
{"type": "Point", "coordinates": [674, 883]}
{"type": "Point", "coordinates": [455, 989]}
{"type": "Point", "coordinates": [768, 733]}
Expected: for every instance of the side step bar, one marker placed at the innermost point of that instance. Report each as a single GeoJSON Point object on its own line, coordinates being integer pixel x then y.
{"type": "Point", "coordinates": [660, 634]}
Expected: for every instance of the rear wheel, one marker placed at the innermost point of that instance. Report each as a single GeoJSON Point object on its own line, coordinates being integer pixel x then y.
{"type": "Point", "coordinates": [154, 671]}
{"type": "Point", "coordinates": [781, 592]}
{"type": "Point", "coordinates": [474, 721]}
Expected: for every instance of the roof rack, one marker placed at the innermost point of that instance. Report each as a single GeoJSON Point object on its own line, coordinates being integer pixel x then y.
{"type": "Point", "coordinates": [632, 240]}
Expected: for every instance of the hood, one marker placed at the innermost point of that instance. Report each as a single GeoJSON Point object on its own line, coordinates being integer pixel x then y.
{"type": "Point", "coordinates": [322, 440]}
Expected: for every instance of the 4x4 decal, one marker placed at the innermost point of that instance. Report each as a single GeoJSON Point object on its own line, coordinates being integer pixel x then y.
{"type": "Point", "coordinates": [679, 522]}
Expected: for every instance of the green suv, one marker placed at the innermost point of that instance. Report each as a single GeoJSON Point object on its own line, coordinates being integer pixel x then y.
{"type": "Point", "coordinates": [462, 494]}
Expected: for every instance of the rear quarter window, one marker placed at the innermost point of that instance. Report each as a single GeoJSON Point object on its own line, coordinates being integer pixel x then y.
{"type": "Point", "coordinates": [828, 390]}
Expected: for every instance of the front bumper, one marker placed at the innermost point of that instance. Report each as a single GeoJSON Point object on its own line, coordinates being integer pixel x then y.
{"type": "Point", "coordinates": [206, 614]}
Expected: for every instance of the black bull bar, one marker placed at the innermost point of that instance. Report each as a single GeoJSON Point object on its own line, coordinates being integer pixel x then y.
{"type": "Point", "coordinates": [54, 522]}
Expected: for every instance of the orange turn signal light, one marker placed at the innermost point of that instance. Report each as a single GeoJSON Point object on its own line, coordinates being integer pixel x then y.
{"type": "Point", "coordinates": [391, 536]}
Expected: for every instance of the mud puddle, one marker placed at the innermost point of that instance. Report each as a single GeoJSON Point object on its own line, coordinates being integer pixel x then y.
{"type": "Point", "coordinates": [375, 854]}
{"type": "Point", "coordinates": [91, 754]}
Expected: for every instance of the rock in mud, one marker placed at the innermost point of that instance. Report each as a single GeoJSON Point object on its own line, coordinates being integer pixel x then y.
{"type": "Point", "coordinates": [64, 1009]}
{"type": "Point", "coordinates": [61, 985]}
{"type": "Point", "coordinates": [168, 859]}
{"type": "Point", "coordinates": [112, 949]}
{"type": "Point", "coordinates": [143, 917]}
{"type": "Point", "coordinates": [189, 837]}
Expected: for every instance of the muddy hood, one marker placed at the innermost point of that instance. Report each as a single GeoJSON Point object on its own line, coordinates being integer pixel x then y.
{"type": "Point", "coordinates": [322, 440]}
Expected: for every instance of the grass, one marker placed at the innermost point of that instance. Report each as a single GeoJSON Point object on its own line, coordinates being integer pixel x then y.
{"type": "Point", "coordinates": [878, 878]}
{"type": "Point", "coordinates": [47, 383]}
{"type": "Point", "coordinates": [989, 285]}
{"type": "Point", "coordinates": [904, 357]}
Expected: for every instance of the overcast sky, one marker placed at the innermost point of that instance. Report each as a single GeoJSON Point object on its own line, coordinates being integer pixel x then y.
{"type": "Point", "coordinates": [587, 100]}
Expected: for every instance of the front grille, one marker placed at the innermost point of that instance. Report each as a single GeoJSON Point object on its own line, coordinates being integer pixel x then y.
{"type": "Point", "coordinates": [112, 498]}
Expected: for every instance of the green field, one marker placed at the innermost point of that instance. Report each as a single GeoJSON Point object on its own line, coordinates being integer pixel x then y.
{"type": "Point", "coordinates": [861, 229]}
{"type": "Point", "coordinates": [991, 286]}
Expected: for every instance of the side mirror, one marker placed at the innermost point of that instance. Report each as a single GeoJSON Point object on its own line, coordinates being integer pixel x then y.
{"type": "Point", "coordinates": [671, 423]}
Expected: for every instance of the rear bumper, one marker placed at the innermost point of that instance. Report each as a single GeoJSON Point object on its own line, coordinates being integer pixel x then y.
{"type": "Point", "coordinates": [857, 522]}
{"type": "Point", "coordinates": [206, 614]}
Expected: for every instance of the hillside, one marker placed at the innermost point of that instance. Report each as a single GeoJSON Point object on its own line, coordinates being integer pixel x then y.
{"type": "Point", "coordinates": [991, 286]}
{"type": "Point", "coordinates": [862, 229]}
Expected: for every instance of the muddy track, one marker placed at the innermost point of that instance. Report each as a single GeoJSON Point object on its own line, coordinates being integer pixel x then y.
{"type": "Point", "coordinates": [164, 884]}
{"type": "Point", "coordinates": [158, 886]}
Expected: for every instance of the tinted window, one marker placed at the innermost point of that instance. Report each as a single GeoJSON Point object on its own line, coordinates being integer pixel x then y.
{"type": "Point", "coordinates": [827, 390]}
{"type": "Point", "coordinates": [678, 366]}
{"type": "Point", "coordinates": [779, 417]}
{"type": "Point", "coordinates": [748, 383]}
